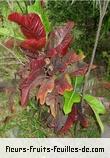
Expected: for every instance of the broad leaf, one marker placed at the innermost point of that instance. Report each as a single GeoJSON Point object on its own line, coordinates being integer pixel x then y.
{"type": "Point", "coordinates": [37, 8]}
{"type": "Point", "coordinates": [71, 58]}
{"type": "Point", "coordinates": [70, 99]}
{"type": "Point", "coordinates": [34, 80]}
{"type": "Point", "coordinates": [46, 87]}
{"type": "Point", "coordinates": [97, 107]}
{"type": "Point", "coordinates": [63, 84]}
{"type": "Point", "coordinates": [60, 40]}
{"type": "Point", "coordinates": [33, 44]}
{"type": "Point", "coordinates": [73, 117]}
{"type": "Point", "coordinates": [78, 81]}
{"type": "Point", "coordinates": [32, 28]}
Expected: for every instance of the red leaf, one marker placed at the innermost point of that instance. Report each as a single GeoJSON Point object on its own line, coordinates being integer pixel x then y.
{"type": "Point", "coordinates": [72, 118]}
{"type": "Point", "coordinates": [31, 25]}
{"type": "Point", "coordinates": [52, 53]}
{"type": "Point", "coordinates": [34, 80]}
{"type": "Point", "coordinates": [83, 120]}
{"type": "Point", "coordinates": [59, 65]}
{"type": "Point", "coordinates": [60, 40]}
{"type": "Point", "coordinates": [63, 46]}
{"type": "Point", "coordinates": [63, 85]}
{"type": "Point", "coordinates": [32, 28]}
{"type": "Point", "coordinates": [38, 63]}
{"type": "Point", "coordinates": [33, 44]}
{"type": "Point", "coordinates": [72, 58]}
{"type": "Point", "coordinates": [46, 87]}
{"type": "Point", "coordinates": [80, 71]}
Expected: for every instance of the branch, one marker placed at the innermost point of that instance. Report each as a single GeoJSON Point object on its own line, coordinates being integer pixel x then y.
{"type": "Point", "coordinates": [102, 14]}
{"type": "Point", "coordinates": [12, 53]}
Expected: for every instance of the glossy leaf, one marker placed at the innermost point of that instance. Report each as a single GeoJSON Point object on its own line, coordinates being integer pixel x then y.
{"type": "Point", "coordinates": [97, 107]}
{"type": "Point", "coordinates": [32, 28]}
{"type": "Point", "coordinates": [33, 44]}
{"type": "Point", "coordinates": [70, 99]}
{"type": "Point", "coordinates": [30, 24]}
{"type": "Point", "coordinates": [37, 8]}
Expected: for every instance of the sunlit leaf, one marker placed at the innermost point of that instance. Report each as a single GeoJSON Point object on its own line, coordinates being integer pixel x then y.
{"type": "Point", "coordinates": [70, 99]}
{"type": "Point", "coordinates": [97, 107]}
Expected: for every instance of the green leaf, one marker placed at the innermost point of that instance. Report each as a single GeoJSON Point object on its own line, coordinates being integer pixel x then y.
{"type": "Point", "coordinates": [7, 32]}
{"type": "Point", "coordinates": [97, 107]}
{"type": "Point", "coordinates": [80, 80]}
{"type": "Point", "coordinates": [4, 31]}
{"type": "Point", "coordinates": [37, 8]}
{"type": "Point", "coordinates": [70, 99]}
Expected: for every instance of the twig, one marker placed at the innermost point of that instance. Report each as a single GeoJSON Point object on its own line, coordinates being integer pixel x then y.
{"type": "Point", "coordinates": [19, 6]}
{"type": "Point", "coordinates": [12, 53]}
{"type": "Point", "coordinates": [17, 63]}
{"type": "Point", "coordinates": [26, 7]}
{"type": "Point", "coordinates": [102, 14]}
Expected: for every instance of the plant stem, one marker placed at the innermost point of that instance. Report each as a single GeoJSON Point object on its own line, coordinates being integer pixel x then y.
{"type": "Point", "coordinates": [19, 6]}
{"type": "Point", "coordinates": [12, 53]}
{"type": "Point", "coordinates": [102, 14]}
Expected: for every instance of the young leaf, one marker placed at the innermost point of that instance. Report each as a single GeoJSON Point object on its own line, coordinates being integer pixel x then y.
{"type": "Point", "coordinates": [70, 99]}
{"type": "Point", "coordinates": [73, 117]}
{"type": "Point", "coordinates": [80, 80]}
{"type": "Point", "coordinates": [60, 39]}
{"type": "Point", "coordinates": [97, 107]}
{"type": "Point", "coordinates": [37, 8]}
{"type": "Point", "coordinates": [32, 28]}
{"type": "Point", "coordinates": [63, 84]}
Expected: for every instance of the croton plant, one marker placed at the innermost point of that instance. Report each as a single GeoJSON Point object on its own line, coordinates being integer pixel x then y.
{"type": "Point", "coordinates": [51, 69]}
